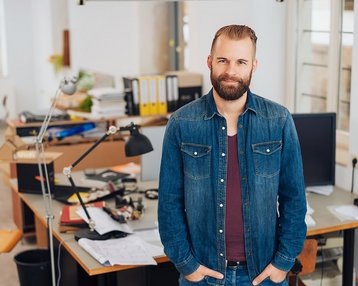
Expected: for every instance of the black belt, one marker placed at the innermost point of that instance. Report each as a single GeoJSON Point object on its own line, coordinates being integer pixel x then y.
{"type": "Point", "coordinates": [235, 263]}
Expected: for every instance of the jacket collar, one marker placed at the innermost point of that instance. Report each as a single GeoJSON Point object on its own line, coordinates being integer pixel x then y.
{"type": "Point", "coordinates": [211, 108]}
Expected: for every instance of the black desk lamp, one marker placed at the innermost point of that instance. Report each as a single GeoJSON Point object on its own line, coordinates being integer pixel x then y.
{"type": "Point", "coordinates": [137, 144]}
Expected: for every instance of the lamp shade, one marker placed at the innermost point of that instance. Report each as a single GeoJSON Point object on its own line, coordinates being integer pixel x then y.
{"type": "Point", "coordinates": [137, 144]}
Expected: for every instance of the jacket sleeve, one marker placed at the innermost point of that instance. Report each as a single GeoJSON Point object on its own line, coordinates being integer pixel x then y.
{"type": "Point", "coordinates": [292, 200]}
{"type": "Point", "coordinates": [171, 209]}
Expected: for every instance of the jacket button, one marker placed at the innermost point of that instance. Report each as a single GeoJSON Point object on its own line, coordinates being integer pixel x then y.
{"type": "Point", "coordinates": [220, 230]}
{"type": "Point", "coordinates": [223, 128]}
{"type": "Point", "coordinates": [221, 254]}
{"type": "Point", "coordinates": [222, 180]}
{"type": "Point", "coordinates": [195, 153]}
{"type": "Point", "coordinates": [223, 154]}
{"type": "Point", "coordinates": [221, 205]}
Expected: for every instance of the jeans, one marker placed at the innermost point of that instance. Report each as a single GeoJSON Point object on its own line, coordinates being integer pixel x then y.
{"type": "Point", "coordinates": [235, 276]}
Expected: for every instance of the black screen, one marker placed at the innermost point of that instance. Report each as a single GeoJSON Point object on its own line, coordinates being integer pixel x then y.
{"type": "Point", "coordinates": [317, 136]}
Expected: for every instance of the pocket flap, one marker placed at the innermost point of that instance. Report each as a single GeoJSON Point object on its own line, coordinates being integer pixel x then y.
{"type": "Point", "coordinates": [267, 148]}
{"type": "Point", "coordinates": [195, 150]}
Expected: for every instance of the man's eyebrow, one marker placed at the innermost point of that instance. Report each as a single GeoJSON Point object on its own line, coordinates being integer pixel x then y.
{"type": "Point", "coordinates": [241, 60]}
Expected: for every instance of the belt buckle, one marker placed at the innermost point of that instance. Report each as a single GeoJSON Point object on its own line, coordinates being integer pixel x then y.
{"type": "Point", "coordinates": [232, 263]}
{"type": "Point", "coordinates": [235, 263]}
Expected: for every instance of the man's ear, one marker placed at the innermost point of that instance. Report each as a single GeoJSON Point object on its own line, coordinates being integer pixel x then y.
{"type": "Point", "coordinates": [254, 65]}
{"type": "Point", "coordinates": [209, 61]}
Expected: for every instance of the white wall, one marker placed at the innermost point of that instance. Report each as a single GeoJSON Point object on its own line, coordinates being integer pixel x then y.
{"type": "Point", "coordinates": [105, 37]}
{"type": "Point", "coordinates": [19, 44]}
{"type": "Point", "coordinates": [206, 17]}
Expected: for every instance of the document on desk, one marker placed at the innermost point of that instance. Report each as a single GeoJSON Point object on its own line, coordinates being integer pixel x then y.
{"type": "Point", "coordinates": [130, 250]}
{"type": "Point", "coordinates": [345, 212]}
{"type": "Point", "coordinates": [322, 190]}
{"type": "Point", "coordinates": [103, 222]}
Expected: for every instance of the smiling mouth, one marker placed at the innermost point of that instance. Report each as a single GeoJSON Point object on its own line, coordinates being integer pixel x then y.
{"type": "Point", "coordinates": [229, 81]}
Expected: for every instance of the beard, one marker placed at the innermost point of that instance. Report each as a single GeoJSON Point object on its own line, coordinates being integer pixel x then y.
{"type": "Point", "coordinates": [230, 92]}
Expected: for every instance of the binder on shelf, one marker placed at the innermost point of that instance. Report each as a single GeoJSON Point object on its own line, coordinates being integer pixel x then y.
{"type": "Point", "coordinates": [187, 86]}
{"type": "Point", "coordinates": [144, 96]}
{"type": "Point", "coordinates": [161, 96]}
{"type": "Point", "coordinates": [152, 95]}
{"type": "Point", "coordinates": [131, 89]}
{"type": "Point", "coordinates": [172, 92]}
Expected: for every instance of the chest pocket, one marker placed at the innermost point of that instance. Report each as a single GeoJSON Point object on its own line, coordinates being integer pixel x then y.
{"type": "Point", "coordinates": [196, 159]}
{"type": "Point", "coordinates": [267, 158]}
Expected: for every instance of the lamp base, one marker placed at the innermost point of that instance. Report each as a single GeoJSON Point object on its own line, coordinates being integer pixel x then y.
{"type": "Point", "coordinates": [94, 235]}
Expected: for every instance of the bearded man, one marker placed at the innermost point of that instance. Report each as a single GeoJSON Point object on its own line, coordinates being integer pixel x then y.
{"type": "Point", "coordinates": [231, 192]}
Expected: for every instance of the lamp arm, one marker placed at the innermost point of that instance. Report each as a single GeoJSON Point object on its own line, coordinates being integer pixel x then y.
{"type": "Point", "coordinates": [91, 222]}
{"type": "Point", "coordinates": [46, 192]}
{"type": "Point", "coordinates": [68, 170]}
{"type": "Point", "coordinates": [47, 119]}
{"type": "Point", "coordinates": [111, 130]}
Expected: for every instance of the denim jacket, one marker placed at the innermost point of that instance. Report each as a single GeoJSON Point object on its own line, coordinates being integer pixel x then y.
{"type": "Point", "coordinates": [192, 187]}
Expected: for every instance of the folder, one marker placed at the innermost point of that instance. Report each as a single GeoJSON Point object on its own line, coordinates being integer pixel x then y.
{"type": "Point", "coordinates": [131, 89]}
{"type": "Point", "coordinates": [152, 95]}
{"type": "Point", "coordinates": [144, 96]}
{"type": "Point", "coordinates": [172, 92]}
{"type": "Point", "coordinates": [161, 96]}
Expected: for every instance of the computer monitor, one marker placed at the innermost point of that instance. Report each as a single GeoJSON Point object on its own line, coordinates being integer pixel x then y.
{"type": "Point", "coordinates": [150, 162]}
{"type": "Point", "coordinates": [317, 136]}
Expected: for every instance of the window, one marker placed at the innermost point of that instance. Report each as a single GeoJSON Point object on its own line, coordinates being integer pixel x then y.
{"type": "Point", "coordinates": [324, 58]}
{"type": "Point", "coordinates": [3, 68]}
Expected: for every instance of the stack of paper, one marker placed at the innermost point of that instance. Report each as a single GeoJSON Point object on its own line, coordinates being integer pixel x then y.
{"type": "Point", "coordinates": [130, 250]}
{"type": "Point", "coordinates": [345, 212]}
{"type": "Point", "coordinates": [107, 102]}
{"type": "Point", "coordinates": [322, 190]}
{"type": "Point", "coordinates": [103, 222]}
{"type": "Point", "coordinates": [309, 219]}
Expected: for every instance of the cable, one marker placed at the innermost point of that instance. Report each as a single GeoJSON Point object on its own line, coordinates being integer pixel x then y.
{"type": "Point", "coordinates": [354, 163]}
{"type": "Point", "coordinates": [59, 261]}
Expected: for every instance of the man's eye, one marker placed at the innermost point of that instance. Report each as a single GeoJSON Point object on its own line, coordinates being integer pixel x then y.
{"type": "Point", "coordinates": [221, 61]}
{"type": "Point", "coordinates": [242, 63]}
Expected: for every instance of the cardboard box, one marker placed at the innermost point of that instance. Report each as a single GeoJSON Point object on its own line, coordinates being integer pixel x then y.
{"type": "Point", "coordinates": [27, 170]}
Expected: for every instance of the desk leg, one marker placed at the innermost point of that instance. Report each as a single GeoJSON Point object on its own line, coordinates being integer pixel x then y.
{"type": "Point", "coordinates": [348, 257]}
{"type": "Point", "coordinates": [41, 234]}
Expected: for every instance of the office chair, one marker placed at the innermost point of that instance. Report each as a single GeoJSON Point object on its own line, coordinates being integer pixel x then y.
{"type": "Point", "coordinates": [305, 264]}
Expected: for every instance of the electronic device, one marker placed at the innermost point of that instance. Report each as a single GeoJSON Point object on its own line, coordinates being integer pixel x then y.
{"type": "Point", "coordinates": [317, 136]}
{"type": "Point", "coordinates": [150, 162]}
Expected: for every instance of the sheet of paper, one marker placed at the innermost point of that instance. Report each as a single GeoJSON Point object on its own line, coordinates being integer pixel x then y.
{"type": "Point", "coordinates": [150, 235]}
{"type": "Point", "coordinates": [309, 220]}
{"type": "Point", "coordinates": [345, 212]}
{"type": "Point", "coordinates": [103, 222]}
{"type": "Point", "coordinates": [322, 190]}
{"type": "Point", "coordinates": [130, 250]}
{"type": "Point", "coordinates": [309, 209]}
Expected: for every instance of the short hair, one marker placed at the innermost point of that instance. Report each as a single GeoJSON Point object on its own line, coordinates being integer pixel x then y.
{"type": "Point", "coordinates": [235, 32]}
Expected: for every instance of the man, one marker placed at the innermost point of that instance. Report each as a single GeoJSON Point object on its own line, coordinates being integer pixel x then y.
{"type": "Point", "coordinates": [231, 192]}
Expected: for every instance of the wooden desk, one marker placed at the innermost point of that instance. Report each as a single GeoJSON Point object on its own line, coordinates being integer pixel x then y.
{"type": "Point", "coordinates": [87, 262]}
{"type": "Point", "coordinates": [326, 222]}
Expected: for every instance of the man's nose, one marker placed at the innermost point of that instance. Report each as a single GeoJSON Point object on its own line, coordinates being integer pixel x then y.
{"type": "Point", "coordinates": [231, 69]}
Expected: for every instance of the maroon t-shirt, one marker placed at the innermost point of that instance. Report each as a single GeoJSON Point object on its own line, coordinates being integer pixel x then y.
{"type": "Point", "coordinates": [234, 234]}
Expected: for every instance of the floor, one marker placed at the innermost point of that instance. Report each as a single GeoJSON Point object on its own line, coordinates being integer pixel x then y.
{"type": "Point", "coordinates": [8, 273]}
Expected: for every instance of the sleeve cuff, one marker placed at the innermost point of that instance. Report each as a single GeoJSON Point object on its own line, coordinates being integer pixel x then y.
{"type": "Point", "coordinates": [282, 262]}
{"type": "Point", "coordinates": [188, 266]}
